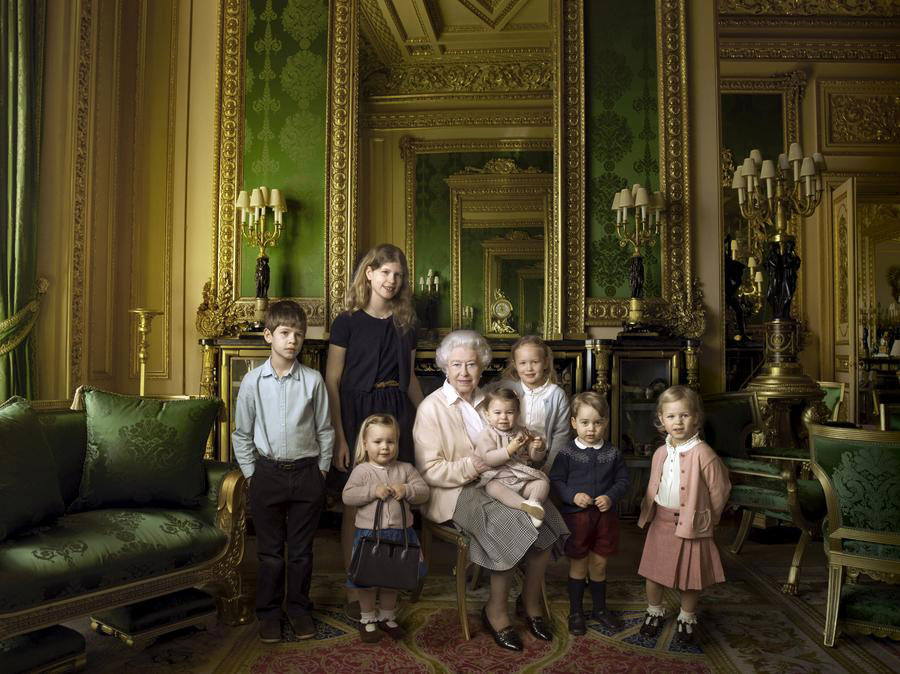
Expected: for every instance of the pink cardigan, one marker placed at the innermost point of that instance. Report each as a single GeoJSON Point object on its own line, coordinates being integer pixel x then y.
{"type": "Point", "coordinates": [360, 492]}
{"type": "Point", "coordinates": [704, 491]}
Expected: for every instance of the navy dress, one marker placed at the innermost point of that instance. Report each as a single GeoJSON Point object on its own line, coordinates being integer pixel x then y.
{"type": "Point", "coordinates": [377, 352]}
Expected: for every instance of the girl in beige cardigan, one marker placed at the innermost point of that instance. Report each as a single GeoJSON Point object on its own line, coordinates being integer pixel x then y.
{"type": "Point", "coordinates": [378, 476]}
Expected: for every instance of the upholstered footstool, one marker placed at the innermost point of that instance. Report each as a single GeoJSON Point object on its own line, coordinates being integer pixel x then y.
{"type": "Point", "coordinates": [139, 625]}
{"type": "Point", "coordinates": [54, 649]}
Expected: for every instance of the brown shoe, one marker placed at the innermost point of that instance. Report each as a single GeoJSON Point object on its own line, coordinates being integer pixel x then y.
{"type": "Point", "coordinates": [303, 626]}
{"type": "Point", "coordinates": [370, 637]}
{"type": "Point", "coordinates": [270, 631]}
{"type": "Point", "coordinates": [393, 632]}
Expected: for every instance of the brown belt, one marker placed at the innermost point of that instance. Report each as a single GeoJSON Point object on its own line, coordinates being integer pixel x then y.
{"type": "Point", "coordinates": [387, 384]}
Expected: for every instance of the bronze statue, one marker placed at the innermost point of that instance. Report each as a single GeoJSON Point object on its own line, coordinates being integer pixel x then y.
{"type": "Point", "coordinates": [262, 276]}
{"type": "Point", "coordinates": [774, 265]}
{"type": "Point", "coordinates": [637, 276]}
{"type": "Point", "coordinates": [790, 263]}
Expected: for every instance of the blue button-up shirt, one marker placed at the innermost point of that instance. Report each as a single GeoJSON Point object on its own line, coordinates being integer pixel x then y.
{"type": "Point", "coordinates": [283, 418]}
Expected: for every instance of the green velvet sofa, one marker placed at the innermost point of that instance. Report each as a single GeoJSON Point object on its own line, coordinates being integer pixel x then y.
{"type": "Point", "coordinates": [89, 560]}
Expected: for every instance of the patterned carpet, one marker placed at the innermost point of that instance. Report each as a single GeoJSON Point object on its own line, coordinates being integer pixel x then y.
{"type": "Point", "coordinates": [747, 626]}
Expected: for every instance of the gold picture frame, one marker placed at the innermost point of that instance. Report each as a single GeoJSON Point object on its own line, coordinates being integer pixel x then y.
{"type": "Point", "coordinates": [680, 303]}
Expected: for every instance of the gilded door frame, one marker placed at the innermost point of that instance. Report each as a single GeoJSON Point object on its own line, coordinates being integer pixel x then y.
{"type": "Point", "coordinates": [681, 301]}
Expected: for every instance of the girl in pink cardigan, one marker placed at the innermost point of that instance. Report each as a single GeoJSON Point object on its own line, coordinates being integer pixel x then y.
{"type": "Point", "coordinates": [687, 492]}
{"type": "Point", "coordinates": [378, 475]}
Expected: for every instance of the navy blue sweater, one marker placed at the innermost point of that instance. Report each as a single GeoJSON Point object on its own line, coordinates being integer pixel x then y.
{"type": "Point", "coordinates": [596, 472]}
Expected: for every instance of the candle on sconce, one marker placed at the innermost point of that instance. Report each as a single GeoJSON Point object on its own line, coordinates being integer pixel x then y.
{"type": "Point", "coordinates": [436, 283]}
{"type": "Point", "coordinates": [751, 262]}
{"type": "Point", "coordinates": [422, 283]}
{"type": "Point", "coordinates": [759, 277]}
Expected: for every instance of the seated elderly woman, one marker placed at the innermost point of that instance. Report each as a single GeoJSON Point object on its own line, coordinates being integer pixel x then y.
{"type": "Point", "coordinates": [447, 423]}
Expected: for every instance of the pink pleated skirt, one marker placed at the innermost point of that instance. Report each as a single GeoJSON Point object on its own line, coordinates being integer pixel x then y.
{"type": "Point", "coordinates": [680, 563]}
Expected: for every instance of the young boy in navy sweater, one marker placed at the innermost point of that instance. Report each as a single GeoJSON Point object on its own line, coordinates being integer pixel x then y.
{"type": "Point", "coordinates": [589, 477]}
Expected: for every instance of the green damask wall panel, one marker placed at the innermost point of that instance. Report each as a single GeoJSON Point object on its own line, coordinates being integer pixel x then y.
{"type": "Point", "coordinates": [621, 130]}
{"type": "Point", "coordinates": [284, 141]}
{"type": "Point", "coordinates": [432, 236]}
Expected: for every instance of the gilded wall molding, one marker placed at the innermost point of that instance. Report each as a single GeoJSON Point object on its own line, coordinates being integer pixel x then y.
{"type": "Point", "coordinates": [432, 118]}
{"type": "Point", "coordinates": [410, 147]}
{"type": "Point", "coordinates": [791, 49]}
{"type": "Point", "coordinates": [84, 87]}
{"type": "Point", "coordinates": [675, 237]}
{"type": "Point", "coordinates": [811, 7]}
{"type": "Point", "coordinates": [429, 77]}
{"type": "Point", "coordinates": [859, 116]}
{"type": "Point", "coordinates": [341, 153]}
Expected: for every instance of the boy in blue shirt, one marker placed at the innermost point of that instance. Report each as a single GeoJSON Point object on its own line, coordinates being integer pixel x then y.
{"type": "Point", "coordinates": [283, 440]}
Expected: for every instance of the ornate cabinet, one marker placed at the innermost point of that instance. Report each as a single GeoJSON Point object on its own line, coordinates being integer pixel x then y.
{"type": "Point", "coordinates": [632, 372]}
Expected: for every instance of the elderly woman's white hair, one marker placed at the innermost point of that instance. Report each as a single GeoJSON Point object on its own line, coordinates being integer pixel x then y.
{"type": "Point", "coordinates": [466, 339]}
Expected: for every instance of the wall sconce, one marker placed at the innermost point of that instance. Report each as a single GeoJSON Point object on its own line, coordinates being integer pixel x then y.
{"type": "Point", "coordinates": [647, 212]}
{"type": "Point", "coordinates": [254, 209]}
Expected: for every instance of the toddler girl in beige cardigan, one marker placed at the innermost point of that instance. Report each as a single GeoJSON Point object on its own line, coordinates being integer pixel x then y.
{"type": "Point", "coordinates": [378, 475]}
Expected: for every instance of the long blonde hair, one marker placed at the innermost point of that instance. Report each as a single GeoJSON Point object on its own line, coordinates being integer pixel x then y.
{"type": "Point", "coordinates": [374, 420]}
{"type": "Point", "coordinates": [359, 292]}
{"type": "Point", "coordinates": [509, 372]}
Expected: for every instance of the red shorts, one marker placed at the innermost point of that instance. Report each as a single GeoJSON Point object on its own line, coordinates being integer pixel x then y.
{"type": "Point", "coordinates": [592, 531]}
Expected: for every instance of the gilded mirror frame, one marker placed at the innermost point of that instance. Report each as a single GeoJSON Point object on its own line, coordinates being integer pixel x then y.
{"type": "Point", "coordinates": [223, 309]}
{"type": "Point", "coordinates": [411, 147]}
{"type": "Point", "coordinates": [681, 302]}
{"type": "Point", "coordinates": [791, 86]}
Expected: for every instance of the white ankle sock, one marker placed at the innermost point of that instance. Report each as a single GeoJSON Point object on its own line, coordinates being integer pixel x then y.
{"type": "Point", "coordinates": [369, 619]}
{"type": "Point", "coordinates": [388, 616]}
{"type": "Point", "coordinates": [688, 618]}
{"type": "Point", "coordinates": [656, 611]}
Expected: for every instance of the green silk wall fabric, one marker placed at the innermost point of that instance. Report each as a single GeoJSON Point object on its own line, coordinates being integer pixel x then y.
{"type": "Point", "coordinates": [284, 138]}
{"type": "Point", "coordinates": [622, 132]}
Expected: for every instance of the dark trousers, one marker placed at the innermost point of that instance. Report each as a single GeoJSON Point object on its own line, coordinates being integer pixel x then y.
{"type": "Point", "coordinates": [286, 500]}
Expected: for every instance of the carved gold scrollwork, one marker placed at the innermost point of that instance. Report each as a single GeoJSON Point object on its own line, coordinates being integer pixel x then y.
{"type": "Point", "coordinates": [869, 120]}
{"type": "Point", "coordinates": [501, 77]}
{"type": "Point", "coordinates": [810, 7]}
{"type": "Point", "coordinates": [217, 315]}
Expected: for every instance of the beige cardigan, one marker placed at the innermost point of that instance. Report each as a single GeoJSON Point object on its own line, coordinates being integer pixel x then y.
{"type": "Point", "coordinates": [360, 492]}
{"type": "Point", "coordinates": [444, 454]}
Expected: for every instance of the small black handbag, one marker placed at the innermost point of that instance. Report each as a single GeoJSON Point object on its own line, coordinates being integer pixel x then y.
{"type": "Point", "coordinates": [378, 562]}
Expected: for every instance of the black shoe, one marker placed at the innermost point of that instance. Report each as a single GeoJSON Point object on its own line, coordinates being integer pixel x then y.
{"type": "Point", "coordinates": [652, 625]}
{"type": "Point", "coordinates": [351, 610]}
{"type": "Point", "coordinates": [303, 626]}
{"type": "Point", "coordinates": [506, 638]}
{"type": "Point", "coordinates": [607, 620]}
{"type": "Point", "coordinates": [270, 630]}
{"type": "Point", "coordinates": [539, 627]}
{"type": "Point", "coordinates": [576, 624]}
{"type": "Point", "coordinates": [685, 633]}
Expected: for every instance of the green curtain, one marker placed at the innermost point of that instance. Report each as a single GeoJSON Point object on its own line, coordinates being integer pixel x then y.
{"type": "Point", "coordinates": [22, 54]}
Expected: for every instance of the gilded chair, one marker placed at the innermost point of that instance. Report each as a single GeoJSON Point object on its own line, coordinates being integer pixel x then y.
{"type": "Point", "coordinates": [766, 482]}
{"type": "Point", "coordinates": [460, 541]}
{"type": "Point", "coordinates": [889, 416]}
{"type": "Point", "coordinates": [860, 473]}
{"type": "Point", "coordinates": [834, 396]}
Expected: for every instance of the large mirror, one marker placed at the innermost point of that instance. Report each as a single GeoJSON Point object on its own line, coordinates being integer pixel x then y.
{"type": "Point", "coordinates": [372, 108]}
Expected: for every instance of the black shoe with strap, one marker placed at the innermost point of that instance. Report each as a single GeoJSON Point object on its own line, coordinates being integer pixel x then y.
{"type": "Point", "coordinates": [652, 625]}
{"type": "Point", "coordinates": [506, 638]}
{"type": "Point", "coordinates": [607, 619]}
{"type": "Point", "coordinates": [685, 633]}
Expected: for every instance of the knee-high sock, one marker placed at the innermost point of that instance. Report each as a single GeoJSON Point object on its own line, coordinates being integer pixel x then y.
{"type": "Point", "coordinates": [598, 594]}
{"type": "Point", "coordinates": [576, 594]}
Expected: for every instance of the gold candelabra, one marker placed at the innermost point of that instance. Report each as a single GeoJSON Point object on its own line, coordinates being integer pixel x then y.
{"type": "Point", "coordinates": [647, 213]}
{"type": "Point", "coordinates": [771, 195]}
{"type": "Point", "coordinates": [145, 318]}
{"type": "Point", "coordinates": [255, 227]}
